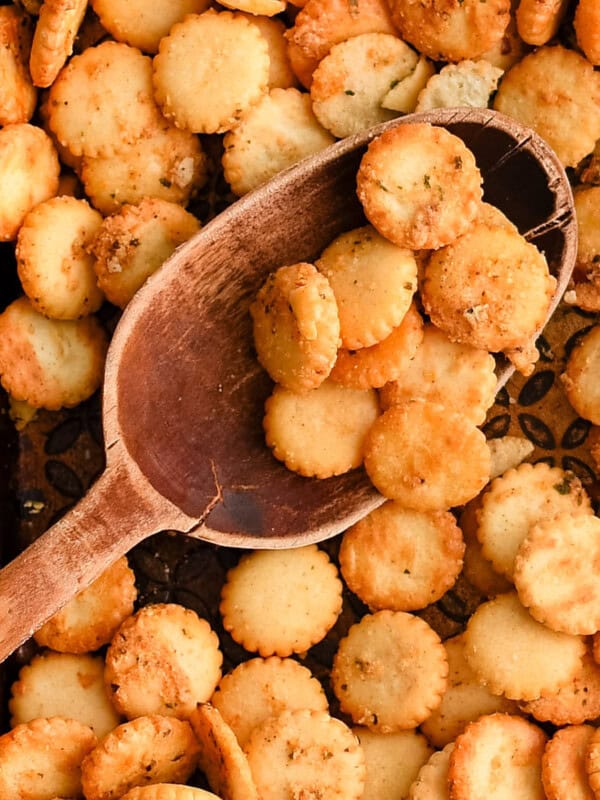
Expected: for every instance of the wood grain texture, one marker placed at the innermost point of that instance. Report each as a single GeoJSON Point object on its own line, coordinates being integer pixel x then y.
{"type": "Point", "coordinates": [192, 458]}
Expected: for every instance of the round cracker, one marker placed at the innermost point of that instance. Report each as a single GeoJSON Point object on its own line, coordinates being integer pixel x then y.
{"type": "Point", "coordinates": [281, 75]}
{"type": "Point", "coordinates": [468, 83]}
{"type": "Point", "coordinates": [162, 660]}
{"type": "Point", "coordinates": [322, 432]}
{"type": "Point", "coordinates": [198, 80]}
{"type": "Point", "coordinates": [401, 559]}
{"type": "Point", "coordinates": [426, 457]}
{"type": "Point", "coordinates": [63, 685]}
{"type": "Point", "coordinates": [564, 773]}
{"type": "Point", "coordinates": [390, 671]}
{"type": "Point", "coordinates": [373, 282]}
{"type": "Point", "coordinates": [92, 617]}
{"type": "Point", "coordinates": [296, 326]}
{"type": "Point", "coordinates": [263, 687]}
{"type": "Point", "coordinates": [122, 77]}
{"type": "Point", "coordinates": [580, 376]}
{"type": "Point", "coordinates": [538, 22]}
{"type": "Point", "coordinates": [513, 654]}
{"type": "Point", "coordinates": [303, 581]}
{"type": "Point", "coordinates": [149, 749]}
{"type": "Point", "coordinates": [393, 761]}
{"type": "Point", "coordinates": [377, 365]}
{"type": "Point", "coordinates": [593, 763]}
{"type": "Point", "coordinates": [431, 782]}
{"type": "Point", "coordinates": [478, 571]}
{"type": "Point", "coordinates": [419, 186]}
{"type": "Point", "coordinates": [556, 573]}
{"type": "Point", "coordinates": [168, 791]}
{"type": "Point", "coordinates": [55, 31]}
{"type": "Point", "coordinates": [465, 699]}
{"type": "Point", "coordinates": [41, 759]}
{"type": "Point", "coordinates": [458, 376]}
{"type": "Point", "coordinates": [498, 756]}
{"type": "Point", "coordinates": [18, 96]}
{"type": "Point", "coordinates": [306, 754]}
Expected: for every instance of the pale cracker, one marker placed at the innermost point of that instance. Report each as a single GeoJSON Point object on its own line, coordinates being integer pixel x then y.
{"type": "Point", "coordinates": [393, 761]}
{"type": "Point", "coordinates": [403, 94]}
{"type": "Point", "coordinates": [149, 749]}
{"type": "Point", "coordinates": [390, 671]}
{"type": "Point", "coordinates": [564, 773]}
{"type": "Point", "coordinates": [373, 281]}
{"type": "Point", "coordinates": [276, 132]}
{"type": "Point", "coordinates": [41, 759]}
{"type": "Point", "coordinates": [56, 28]}
{"type": "Point", "coordinates": [419, 186]}
{"type": "Point", "coordinates": [197, 76]}
{"type": "Point", "coordinates": [513, 654]}
{"type": "Point", "coordinates": [477, 569]}
{"type": "Point", "coordinates": [63, 685]}
{"type": "Point", "coordinates": [281, 75]}
{"type": "Point", "coordinates": [264, 687]}
{"type": "Point", "coordinates": [306, 754]}
{"type": "Point", "coordinates": [401, 559]}
{"type": "Point", "coordinates": [521, 497]}
{"type": "Point", "coordinates": [508, 452]}
{"type": "Point", "coordinates": [92, 617]}
{"type": "Point", "coordinates": [468, 83]}
{"type": "Point", "coordinates": [279, 602]}
{"type": "Point", "coordinates": [296, 326]}
{"type": "Point", "coordinates": [322, 432]}
{"type": "Point", "coordinates": [496, 758]}
{"type": "Point", "coordinates": [431, 782]}
{"type": "Point", "coordinates": [580, 376]}
{"type": "Point", "coordinates": [162, 660]}
{"type": "Point", "coordinates": [168, 791]}
{"type": "Point", "coordinates": [265, 8]}
{"type": "Point", "coordinates": [465, 699]}
{"type": "Point", "coordinates": [377, 365]}
{"type": "Point", "coordinates": [426, 457]}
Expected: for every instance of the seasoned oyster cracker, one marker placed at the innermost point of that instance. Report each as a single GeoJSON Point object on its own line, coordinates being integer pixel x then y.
{"type": "Point", "coordinates": [373, 282]}
{"type": "Point", "coordinates": [133, 243]}
{"type": "Point", "coordinates": [539, 20]}
{"type": "Point", "coordinates": [168, 791]}
{"type": "Point", "coordinates": [419, 186]}
{"type": "Point", "coordinates": [564, 773]}
{"type": "Point", "coordinates": [197, 77]}
{"type": "Point", "coordinates": [56, 28]}
{"type": "Point", "coordinates": [592, 763]}
{"type": "Point", "coordinates": [281, 75]}
{"type": "Point", "coordinates": [53, 263]}
{"type": "Point", "coordinates": [580, 376]}
{"type": "Point", "coordinates": [431, 782]}
{"type": "Point", "coordinates": [296, 326]}
{"type": "Point", "coordinates": [556, 92]}
{"type": "Point", "coordinates": [141, 24]}
{"type": "Point", "coordinates": [393, 761]}
{"type": "Point", "coordinates": [92, 617]}
{"type": "Point", "coordinates": [351, 81]}
{"type": "Point", "coordinates": [263, 687]}
{"type": "Point", "coordinates": [306, 754]}
{"type": "Point", "coordinates": [221, 758]}
{"type": "Point", "coordinates": [468, 83]}
{"type": "Point", "coordinates": [451, 30]}
{"type": "Point", "coordinates": [377, 365]}
{"type": "Point", "coordinates": [514, 655]}
{"type": "Point", "coordinates": [400, 559]}
{"type": "Point", "coordinates": [585, 292]}
{"type": "Point", "coordinates": [162, 660]}
{"type": "Point", "coordinates": [50, 363]}
{"type": "Point", "coordinates": [458, 376]}
{"type": "Point", "coordinates": [277, 131]}
{"type": "Point", "coordinates": [149, 749]}
{"type": "Point", "coordinates": [265, 8]}
{"type": "Point", "coordinates": [322, 23]}
{"type": "Point", "coordinates": [576, 702]}
{"type": "Point", "coordinates": [303, 581]}
{"type": "Point", "coordinates": [322, 432]}
{"type": "Point", "coordinates": [29, 170]}
{"type": "Point", "coordinates": [507, 452]}
{"type": "Point", "coordinates": [497, 757]}
{"type": "Point", "coordinates": [403, 94]}
{"type": "Point", "coordinates": [122, 76]}
{"type": "Point", "coordinates": [491, 289]}
{"type": "Point", "coordinates": [587, 29]}
{"type": "Point", "coordinates": [556, 576]}
{"type": "Point", "coordinates": [41, 759]}
{"type": "Point", "coordinates": [166, 163]}
{"type": "Point", "coordinates": [18, 96]}
{"type": "Point", "coordinates": [390, 671]}
{"type": "Point", "coordinates": [402, 463]}
{"type": "Point", "coordinates": [477, 569]}
{"type": "Point", "coordinates": [464, 701]}
{"type": "Point", "coordinates": [520, 498]}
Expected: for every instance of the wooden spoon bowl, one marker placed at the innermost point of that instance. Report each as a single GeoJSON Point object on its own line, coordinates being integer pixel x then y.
{"type": "Point", "coordinates": [184, 394]}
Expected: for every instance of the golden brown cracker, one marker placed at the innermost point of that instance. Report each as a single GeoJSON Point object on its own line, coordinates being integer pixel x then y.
{"type": "Point", "coordinates": [564, 773]}
{"type": "Point", "coordinates": [539, 20]}
{"type": "Point", "coordinates": [579, 377]}
{"type": "Point", "coordinates": [56, 28]}
{"type": "Point", "coordinates": [18, 96]}
{"type": "Point", "coordinates": [393, 761]}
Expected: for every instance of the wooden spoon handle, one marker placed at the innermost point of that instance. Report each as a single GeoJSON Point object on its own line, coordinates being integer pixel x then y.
{"type": "Point", "coordinates": [106, 523]}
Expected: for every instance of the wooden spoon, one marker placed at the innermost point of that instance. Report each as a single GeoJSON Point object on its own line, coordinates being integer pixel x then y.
{"type": "Point", "coordinates": [183, 395]}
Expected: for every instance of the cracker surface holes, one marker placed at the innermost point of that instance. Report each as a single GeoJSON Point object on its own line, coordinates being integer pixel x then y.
{"type": "Point", "coordinates": [419, 186]}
